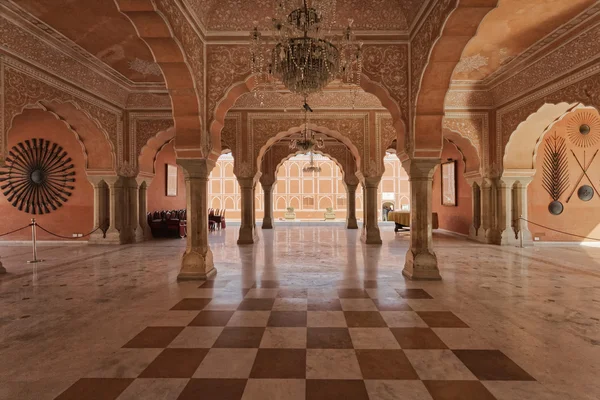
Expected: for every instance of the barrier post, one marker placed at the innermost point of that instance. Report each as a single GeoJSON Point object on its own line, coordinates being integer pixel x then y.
{"type": "Point", "coordinates": [521, 230]}
{"type": "Point", "coordinates": [34, 243]}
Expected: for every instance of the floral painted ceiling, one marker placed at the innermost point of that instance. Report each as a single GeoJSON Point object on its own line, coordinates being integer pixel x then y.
{"type": "Point", "coordinates": [512, 28]}
{"type": "Point", "coordinates": [369, 15]}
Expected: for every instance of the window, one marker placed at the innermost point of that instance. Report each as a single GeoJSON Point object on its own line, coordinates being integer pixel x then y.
{"type": "Point", "coordinates": [308, 202]}
{"type": "Point", "coordinates": [341, 202]}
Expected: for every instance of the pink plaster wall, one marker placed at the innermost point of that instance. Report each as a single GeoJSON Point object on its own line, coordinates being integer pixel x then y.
{"type": "Point", "coordinates": [157, 198]}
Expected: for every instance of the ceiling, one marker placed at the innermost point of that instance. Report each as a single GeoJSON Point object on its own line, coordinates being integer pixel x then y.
{"type": "Point", "coordinates": [510, 29]}
{"type": "Point", "coordinates": [368, 15]}
{"type": "Point", "coordinates": [98, 27]}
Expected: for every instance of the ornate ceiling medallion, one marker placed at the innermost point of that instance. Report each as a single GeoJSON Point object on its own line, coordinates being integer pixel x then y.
{"type": "Point", "coordinates": [583, 129]}
{"type": "Point", "coordinates": [36, 178]}
{"type": "Point", "coordinates": [301, 51]}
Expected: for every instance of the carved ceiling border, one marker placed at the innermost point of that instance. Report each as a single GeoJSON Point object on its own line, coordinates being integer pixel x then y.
{"type": "Point", "coordinates": [44, 87]}
{"type": "Point", "coordinates": [142, 127]}
{"type": "Point", "coordinates": [581, 87]}
{"type": "Point", "coordinates": [65, 45]}
{"type": "Point", "coordinates": [34, 47]}
{"type": "Point", "coordinates": [473, 126]}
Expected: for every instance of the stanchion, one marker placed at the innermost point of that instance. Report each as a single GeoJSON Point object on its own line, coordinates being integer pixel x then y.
{"type": "Point", "coordinates": [34, 243]}
{"type": "Point", "coordinates": [521, 230]}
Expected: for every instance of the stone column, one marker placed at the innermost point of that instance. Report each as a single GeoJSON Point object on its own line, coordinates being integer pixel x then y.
{"type": "Point", "coordinates": [247, 227]}
{"type": "Point", "coordinates": [505, 212]}
{"type": "Point", "coordinates": [128, 207]}
{"type": "Point", "coordinates": [113, 235]}
{"type": "Point", "coordinates": [351, 222]}
{"type": "Point", "coordinates": [487, 211]}
{"type": "Point", "coordinates": [371, 233]}
{"type": "Point", "coordinates": [421, 261]}
{"type": "Point", "coordinates": [143, 207]}
{"type": "Point", "coordinates": [197, 262]}
{"type": "Point", "coordinates": [2, 269]}
{"type": "Point", "coordinates": [521, 203]}
{"type": "Point", "coordinates": [476, 230]}
{"type": "Point", "coordinates": [268, 206]}
{"type": "Point", "coordinates": [101, 219]}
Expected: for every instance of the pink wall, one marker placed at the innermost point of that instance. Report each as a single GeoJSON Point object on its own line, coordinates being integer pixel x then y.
{"type": "Point", "coordinates": [157, 199]}
{"type": "Point", "coordinates": [77, 214]}
{"type": "Point", "coordinates": [455, 219]}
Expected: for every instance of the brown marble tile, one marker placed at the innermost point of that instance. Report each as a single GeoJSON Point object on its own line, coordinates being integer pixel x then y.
{"type": "Point", "coordinates": [284, 338]}
{"type": "Point", "coordinates": [332, 364]}
{"type": "Point", "coordinates": [418, 338]}
{"type": "Point", "coordinates": [322, 304]}
{"type": "Point", "coordinates": [293, 293]}
{"type": "Point", "coordinates": [154, 389]}
{"type": "Point", "coordinates": [275, 389]}
{"type": "Point", "coordinates": [197, 337]}
{"type": "Point", "coordinates": [385, 364]}
{"type": "Point", "coordinates": [364, 319]}
{"type": "Point", "coordinates": [239, 337]}
{"type": "Point", "coordinates": [191, 304]}
{"type": "Point", "coordinates": [396, 390]}
{"type": "Point", "coordinates": [492, 365]}
{"type": "Point", "coordinates": [213, 389]}
{"type": "Point", "coordinates": [279, 364]}
{"type": "Point", "coordinates": [95, 389]}
{"type": "Point", "coordinates": [413, 294]}
{"type": "Point", "coordinates": [353, 294]}
{"type": "Point", "coordinates": [287, 319]}
{"type": "Point", "coordinates": [328, 338]}
{"type": "Point", "coordinates": [256, 305]}
{"type": "Point", "coordinates": [322, 389]}
{"type": "Point", "coordinates": [212, 318]}
{"type": "Point", "coordinates": [175, 363]}
{"type": "Point", "coordinates": [391, 304]}
{"type": "Point", "coordinates": [154, 337]}
{"type": "Point", "coordinates": [458, 390]}
{"type": "Point", "coordinates": [441, 319]}
{"type": "Point", "coordinates": [226, 364]}
{"type": "Point", "coordinates": [326, 319]}
{"type": "Point", "coordinates": [373, 338]}
{"type": "Point", "coordinates": [214, 284]}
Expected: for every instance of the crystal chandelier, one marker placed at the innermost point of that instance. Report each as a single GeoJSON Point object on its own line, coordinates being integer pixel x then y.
{"type": "Point", "coordinates": [311, 167]}
{"type": "Point", "coordinates": [301, 51]}
{"type": "Point", "coordinates": [309, 141]}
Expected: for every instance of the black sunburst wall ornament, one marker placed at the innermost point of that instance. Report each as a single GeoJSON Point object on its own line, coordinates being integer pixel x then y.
{"type": "Point", "coordinates": [555, 177]}
{"type": "Point", "coordinates": [37, 176]}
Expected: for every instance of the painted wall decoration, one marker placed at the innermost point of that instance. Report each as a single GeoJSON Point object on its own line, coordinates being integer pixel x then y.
{"type": "Point", "coordinates": [37, 176]}
{"type": "Point", "coordinates": [555, 178]}
{"type": "Point", "coordinates": [449, 184]}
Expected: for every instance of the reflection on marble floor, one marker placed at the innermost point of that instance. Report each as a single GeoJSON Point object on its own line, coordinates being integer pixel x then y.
{"type": "Point", "coordinates": [505, 323]}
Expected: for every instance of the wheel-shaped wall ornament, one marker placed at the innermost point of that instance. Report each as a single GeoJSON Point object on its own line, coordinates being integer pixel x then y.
{"type": "Point", "coordinates": [37, 176]}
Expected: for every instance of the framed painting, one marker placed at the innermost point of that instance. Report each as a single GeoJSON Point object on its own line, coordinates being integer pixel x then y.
{"type": "Point", "coordinates": [449, 184]}
{"type": "Point", "coordinates": [172, 179]}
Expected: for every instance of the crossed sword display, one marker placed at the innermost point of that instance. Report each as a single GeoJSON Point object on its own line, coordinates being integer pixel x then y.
{"type": "Point", "coordinates": [584, 170]}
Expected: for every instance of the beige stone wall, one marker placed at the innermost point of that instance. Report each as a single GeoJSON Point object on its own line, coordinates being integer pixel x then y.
{"type": "Point", "coordinates": [309, 194]}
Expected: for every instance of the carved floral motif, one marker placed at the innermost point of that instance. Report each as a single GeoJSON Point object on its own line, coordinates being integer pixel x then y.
{"type": "Point", "coordinates": [146, 129]}
{"type": "Point", "coordinates": [331, 99]}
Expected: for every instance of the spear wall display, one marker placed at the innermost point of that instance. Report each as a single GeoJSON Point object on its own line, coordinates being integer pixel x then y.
{"type": "Point", "coordinates": [555, 178]}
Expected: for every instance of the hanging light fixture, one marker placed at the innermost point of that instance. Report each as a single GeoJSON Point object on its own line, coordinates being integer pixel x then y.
{"type": "Point", "coordinates": [311, 167]}
{"type": "Point", "coordinates": [304, 54]}
{"type": "Point", "coordinates": [309, 142]}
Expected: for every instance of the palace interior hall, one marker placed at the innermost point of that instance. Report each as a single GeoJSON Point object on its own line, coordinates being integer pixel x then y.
{"type": "Point", "coordinates": [299, 199]}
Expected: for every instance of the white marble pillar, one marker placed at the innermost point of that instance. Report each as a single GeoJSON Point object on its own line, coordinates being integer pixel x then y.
{"type": "Point", "coordinates": [421, 261]}
{"type": "Point", "coordinates": [101, 219]}
{"type": "Point", "coordinates": [197, 261]}
{"type": "Point", "coordinates": [476, 230]}
{"type": "Point", "coordinates": [112, 235]}
{"type": "Point", "coordinates": [351, 222]}
{"type": "Point", "coordinates": [522, 204]}
{"type": "Point", "coordinates": [247, 227]}
{"type": "Point", "coordinates": [268, 206]}
{"type": "Point", "coordinates": [134, 206]}
{"type": "Point", "coordinates": [371, 233]}
{"type": "Point", "coordinates": [488, 215]}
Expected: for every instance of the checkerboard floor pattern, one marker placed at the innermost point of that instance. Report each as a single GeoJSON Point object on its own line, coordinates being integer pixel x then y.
{"type": "Point", "coordinates": [268, 341]}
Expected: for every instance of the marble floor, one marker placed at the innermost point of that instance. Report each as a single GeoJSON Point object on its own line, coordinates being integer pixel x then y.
{"type": "Point", "coordinates": [307, 313]}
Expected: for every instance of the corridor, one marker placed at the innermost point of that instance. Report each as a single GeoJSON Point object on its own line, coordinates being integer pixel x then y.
{"type": "Point", "coordinates": [307, 312]}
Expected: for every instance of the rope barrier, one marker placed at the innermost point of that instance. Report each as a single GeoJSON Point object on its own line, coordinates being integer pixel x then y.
{"type": "Point", "coordinates": [15, 231]}
{"type": "Point", "coordinates": [558, 231]}
{"type": "Point", "coordinates": [66, 237]}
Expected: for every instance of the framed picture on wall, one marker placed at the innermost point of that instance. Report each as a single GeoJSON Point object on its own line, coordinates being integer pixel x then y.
{"type": "Point", "coordinates": [171, 180]}
{"type": "Point", "coordinates": [449, 184]}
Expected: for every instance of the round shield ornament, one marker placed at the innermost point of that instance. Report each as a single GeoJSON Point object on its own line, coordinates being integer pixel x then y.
{"type": "Point", "coordinates": [556, 208]}
{"type": "Point", "coordinates": [585, 193]}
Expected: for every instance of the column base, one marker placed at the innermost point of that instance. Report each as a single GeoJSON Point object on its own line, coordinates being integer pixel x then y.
{"type": "Point", "coordinates": [196, 267]}
{"type": "Point", "coordinates": [247, 236]}
{"type": "Point", "coordinates": [138, 236]}
{"type": "Point", "coordinates": [421, 266]}
{"type": "Point", "coordinates": [371, 236]}
{"type": "Point", "coordinates": [477, 235]}
{"type": "Point", "coordinates": [351, 223]}
{"type": "Point", "coordinates": [267, 223]}
{"type": "Point", "coordinates": [527, 238]}
{"type": "Point", "coordinates": [2, 269]}
{"type": "Point", "coordinates": [112, 237]}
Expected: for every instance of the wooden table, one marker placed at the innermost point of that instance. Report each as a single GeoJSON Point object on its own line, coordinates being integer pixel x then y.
{"type": "Point", "coordinates": [402, 219]}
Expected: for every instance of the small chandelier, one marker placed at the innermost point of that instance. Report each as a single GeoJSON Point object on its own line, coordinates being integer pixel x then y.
{"type": "Point", "coordinates": [305, 55]}
{"type": "Point", "coordinates": [309, 141]}
{"type": "Point", "coordinates": [311, 167]}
